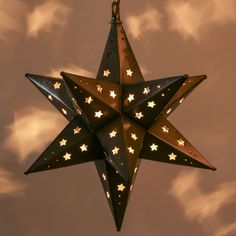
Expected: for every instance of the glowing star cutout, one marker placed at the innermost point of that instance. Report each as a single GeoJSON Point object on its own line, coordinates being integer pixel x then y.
{"type": "Point", "coordinates": [130, 98]}
{"type": "Point", "coordinates": [165, 129]}
{"type": "Point", "coordinates": [67, 156]}
{"type": "Point", "coordinates": [146, 91]}
{"type": "Point", "coordinates": [121, 187]}
{"type": "Point", "coordinates": [113, 134]}
{"type": "Point", "coordinates": [172, 156]}
{"type": "Point", "coordinates": [129, 72]}
{"type": "Point", "coordinates": [88, 100]}
{"type": "Point", "coordinates": [99, 88]}
{"type": "Point", "coordinates": [139, 115]}
{"type": "Point", "coordinates": [181, 142]}
{"type": "Point", "coordinates": [98, 114]}
{"type": "Point", "coordinates": [131, 150]}
{"type": "Point", "coordinates": [113, 94]}
{"type": "Point", "coordinates": [151, 104]}
{"type": "Point", "coordinates": [134, 137]}
{"type": "Point", "coordinates": [57, 85]}
{"type": "Point", "coordinates": [50, 97]}
{"type": "Point", "coordinates": [77, 130]}
{"type": "Point", "coordinates": [154, 147]}
{"type": "Point", "coordinates": [64, 111]}
{"type": "Point", "coordinates": [104, 177]}
{"type": "Point", "coordinates": [63, 142]}
{"type": "Point", "coordinates": [106, 73]}
{"type": "Point", "coordinates": [84, 148]}
{"type": "Point", "coordinates": [108, 195]}
{"type": "Point", "coordinates": [115, 150]}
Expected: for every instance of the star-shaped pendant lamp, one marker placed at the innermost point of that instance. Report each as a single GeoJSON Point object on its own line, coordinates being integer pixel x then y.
{"type": "Point", "coordinates": [117, 119]}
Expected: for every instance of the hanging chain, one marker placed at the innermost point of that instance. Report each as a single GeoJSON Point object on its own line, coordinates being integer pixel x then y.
{"type": "Point", "coordinates": [116, 10]}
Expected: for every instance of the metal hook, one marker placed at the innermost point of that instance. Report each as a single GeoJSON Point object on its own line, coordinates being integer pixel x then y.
{"type": "Point", "coordinates": [116, 10]}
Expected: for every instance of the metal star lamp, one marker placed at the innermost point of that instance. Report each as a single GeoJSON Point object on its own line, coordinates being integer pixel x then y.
{"type": "Point", "coordinates": [117, 119]}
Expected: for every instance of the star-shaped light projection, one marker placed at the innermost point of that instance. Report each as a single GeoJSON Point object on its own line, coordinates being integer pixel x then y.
{"type": "Point", "coordinates": [117, 133]}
